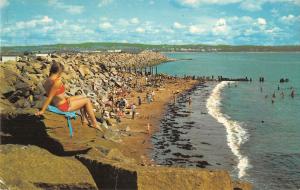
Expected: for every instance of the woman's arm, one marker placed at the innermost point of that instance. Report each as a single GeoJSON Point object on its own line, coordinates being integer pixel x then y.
{"type": "Point", "coordinates": [49, 98]}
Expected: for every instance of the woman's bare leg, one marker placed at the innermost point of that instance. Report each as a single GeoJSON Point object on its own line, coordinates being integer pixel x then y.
{"type": "Point", "coordinates": [84, 103]}
{"type": "Point", "coordinates": [83, 113]}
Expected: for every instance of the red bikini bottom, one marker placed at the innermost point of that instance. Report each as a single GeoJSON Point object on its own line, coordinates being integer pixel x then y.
{"type": "Point", "coordinates": [64, 106]}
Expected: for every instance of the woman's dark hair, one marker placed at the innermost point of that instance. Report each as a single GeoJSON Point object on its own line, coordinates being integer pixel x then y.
{"type": "Point", "coordinates": [56, 68]}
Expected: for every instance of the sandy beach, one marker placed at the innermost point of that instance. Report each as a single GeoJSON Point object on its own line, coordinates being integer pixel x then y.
{"type": "Point", "coordinates": [150, 114]}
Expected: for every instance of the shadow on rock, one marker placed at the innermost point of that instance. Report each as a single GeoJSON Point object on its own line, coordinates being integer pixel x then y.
{"type": "Point", "coordinates": [26, 129]}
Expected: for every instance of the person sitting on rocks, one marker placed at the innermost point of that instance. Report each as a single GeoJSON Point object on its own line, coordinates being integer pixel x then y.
{"type": "Point", "coordinates": [55, 91]}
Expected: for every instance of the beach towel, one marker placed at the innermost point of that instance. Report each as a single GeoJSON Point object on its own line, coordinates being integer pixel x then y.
{"type": "Point", "coordinates": [68, 115]}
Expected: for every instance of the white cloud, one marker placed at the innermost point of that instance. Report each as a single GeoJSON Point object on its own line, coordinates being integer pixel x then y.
{"type": "Point", "coordinates": [140, 30]}
{"type": "Point", "coordinates": [73, 9]}
{"type": "Point", "coordinates": [196, 29]}
{"type": "Point", "coordinates": [178, 25]}
{"type": "Point", "coordinates": [289, 19]}
{"type": "Point", "coordinates": [3, 3]}
{"type": "Point", "coordinates": [135, 20]}
{"type": "Point", "coordinates": [261, 21]}
{"type": "Point", "coordinates": [220, 27]}
{"type": "Point", "coordinates": [273, 30]}
{"type": "Point", "coordinates": [103, 3]}
{"type": "Point", "coordinates": [46, 19]}
{"type": "Point", "coordinates": [33, 23]}
{"type": "Point", "coordinates": [194, 3]}
{"type": "Point", "coordinates": [251, 5]}
{"type": "Point", "coordinates": [105, 25]}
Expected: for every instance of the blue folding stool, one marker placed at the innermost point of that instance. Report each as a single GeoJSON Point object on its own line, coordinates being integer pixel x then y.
{"type": "Point", "coordinates": [68, 115]}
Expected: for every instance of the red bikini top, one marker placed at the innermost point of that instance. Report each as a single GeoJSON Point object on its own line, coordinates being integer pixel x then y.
{"type": "Point", "coordinates": [61, 89]}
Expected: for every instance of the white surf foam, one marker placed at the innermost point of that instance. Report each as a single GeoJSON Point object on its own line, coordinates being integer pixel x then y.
{"type": "Point", "coordinates": [236, 134]}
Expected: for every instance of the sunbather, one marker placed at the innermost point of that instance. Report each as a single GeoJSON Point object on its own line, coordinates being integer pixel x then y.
{"type": "Point", "coordinates": [55, 91]}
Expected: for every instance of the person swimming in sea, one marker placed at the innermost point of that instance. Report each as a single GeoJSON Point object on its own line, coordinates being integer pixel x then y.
{"type": "Point", "coordinates": [274, 96]}
{"type": "Point", "coordinates": [55, 91]}
{"type": "Point", "coordinates": [293, 93]}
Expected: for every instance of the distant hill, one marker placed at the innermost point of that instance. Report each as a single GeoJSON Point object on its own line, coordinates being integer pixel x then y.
{"type": "Point", "coordinates": [133, 47]}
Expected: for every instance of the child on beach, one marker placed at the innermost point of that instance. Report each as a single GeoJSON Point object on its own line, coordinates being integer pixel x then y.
{"type": "Point", "coordinates": [55, 90]}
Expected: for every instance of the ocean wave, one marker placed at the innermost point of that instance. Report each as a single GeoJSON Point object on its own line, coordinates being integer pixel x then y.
{"type": "Point", "coordinates": [236, 134]}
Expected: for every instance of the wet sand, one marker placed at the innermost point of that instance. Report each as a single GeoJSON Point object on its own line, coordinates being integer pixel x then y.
{"type": "Point", "coordinates": [190, 137]}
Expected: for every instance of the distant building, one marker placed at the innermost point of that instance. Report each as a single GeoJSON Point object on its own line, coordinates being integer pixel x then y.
{"type": "Point", "coordinates": [42, 55]}
{"type": "Point", "coordinates": [6, 58]}
{"type": "Point", "coordinates": [115, 51]}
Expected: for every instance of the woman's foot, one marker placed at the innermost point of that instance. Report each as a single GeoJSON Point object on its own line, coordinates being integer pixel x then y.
{"type": "Point", "coordinates": [98, 128]}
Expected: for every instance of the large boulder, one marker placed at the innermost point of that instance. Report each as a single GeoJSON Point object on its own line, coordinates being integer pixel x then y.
{"type": "Point", "coordinates": [84, 70]}
{"type": "Point", "coordinates": [30, 167]}
{"type": "Point", "coordinates": [127, 175]}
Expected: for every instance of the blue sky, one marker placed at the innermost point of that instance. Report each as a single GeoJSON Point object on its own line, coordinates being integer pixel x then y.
{"type": "Point", "coordinates": [234, 22]}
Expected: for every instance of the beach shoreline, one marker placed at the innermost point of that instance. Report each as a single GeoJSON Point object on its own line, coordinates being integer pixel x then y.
{"type": "Point", "coordinates": [141, 143]}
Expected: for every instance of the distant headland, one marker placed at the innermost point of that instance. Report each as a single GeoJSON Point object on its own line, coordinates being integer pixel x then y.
{"type": "Point", "coordinates": [135, 47]}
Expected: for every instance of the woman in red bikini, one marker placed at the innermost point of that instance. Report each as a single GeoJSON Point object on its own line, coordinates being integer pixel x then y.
{"type": "Point", "coordinates": [55, 90]}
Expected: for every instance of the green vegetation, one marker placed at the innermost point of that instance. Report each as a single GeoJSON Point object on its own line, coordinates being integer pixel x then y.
{"type": "Point", "coordinates": [133, 47]}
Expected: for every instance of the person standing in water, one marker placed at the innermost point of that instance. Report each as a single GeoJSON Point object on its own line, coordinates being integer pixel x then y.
{"type": "Point", "coordinates": [293, 93]}
{"type": "Point", "coordinates": [190, 101]}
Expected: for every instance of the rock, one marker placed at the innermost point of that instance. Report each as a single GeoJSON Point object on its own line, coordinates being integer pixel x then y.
{"type": "Point", "coordinates": [113, 71]}
{"type": "Point", "coordinates": [113, 136]}
{"type": "Point", "coordinates": [6, 89]}
{"type": "Point", "coordinates": [116, 154]}
{"type": "Point", "coordinates": [40, 58]}
{"type": "Point", "coordinates": [20, 65]}
{"type": "Point", "coordinates": [84, 70]}
{"type": "Point", "coordinates": [23, 103]}
{"type": "Point", "coordinates": [6, 106]}
{"type": "Point", "coordinates": [103, 67]}
{"type": "Point", "coordinates": [30, 167]}
{"type": "Point", "coordinates": [126, 175]}
{"type": "Point", "coordinates": [22, 86]}
{"type": "Point", "coordinates": [30, 70]}
{"type": "Point", "coordinates": [99, 117]}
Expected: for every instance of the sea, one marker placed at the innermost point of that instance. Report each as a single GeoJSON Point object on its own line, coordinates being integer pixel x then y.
{"type": "Point", "coordinates": [251, 129]}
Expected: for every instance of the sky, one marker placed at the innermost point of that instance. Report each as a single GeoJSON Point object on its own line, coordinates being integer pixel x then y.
{"type": "Point", "coordinates": [232, 22]}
